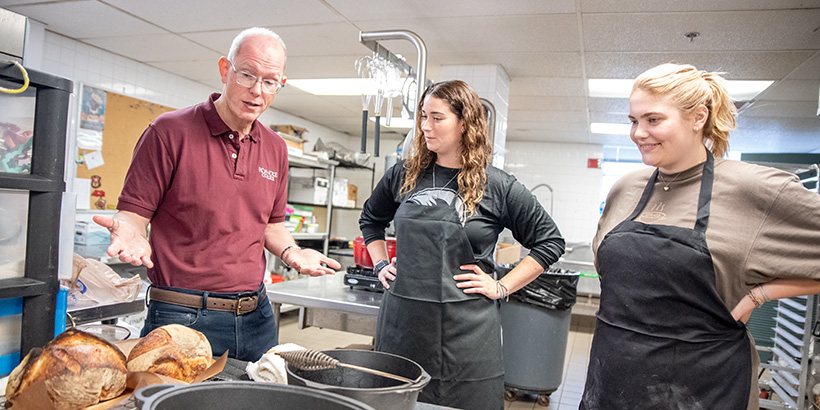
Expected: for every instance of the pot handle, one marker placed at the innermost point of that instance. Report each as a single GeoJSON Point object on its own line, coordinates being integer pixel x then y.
{"type": "Point", "coordinates": [146, 395]}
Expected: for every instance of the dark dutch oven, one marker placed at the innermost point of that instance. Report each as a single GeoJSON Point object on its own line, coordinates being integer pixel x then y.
{"type": "Point", "coordinates": [240, 395]}
{"type": "Point", "coordinates": [380, 392]}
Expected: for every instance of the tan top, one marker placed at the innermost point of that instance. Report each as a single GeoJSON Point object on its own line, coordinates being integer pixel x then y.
{"type": "Point", "coordinates": [763, 223]}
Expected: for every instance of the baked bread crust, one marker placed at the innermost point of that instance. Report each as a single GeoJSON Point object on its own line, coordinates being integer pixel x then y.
{"type": "Point", "coordinates": [79, 370]}
{"type": "Point", "coordinates": [175, 351]}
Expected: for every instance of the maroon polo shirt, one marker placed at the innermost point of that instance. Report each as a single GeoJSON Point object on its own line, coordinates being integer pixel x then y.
{"type": "Point", "coordinates": [209, 197]}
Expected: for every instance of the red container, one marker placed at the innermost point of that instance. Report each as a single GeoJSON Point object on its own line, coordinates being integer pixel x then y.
{"type": "Point", "coordinates": [362, 257]}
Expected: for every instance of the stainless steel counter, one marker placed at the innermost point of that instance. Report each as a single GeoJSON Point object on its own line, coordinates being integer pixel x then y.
{"type": "Point", "coordinates": [327, 302]}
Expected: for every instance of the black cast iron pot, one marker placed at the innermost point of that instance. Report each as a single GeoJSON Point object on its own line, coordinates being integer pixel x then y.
{"type": "Point", "coordinates": [380, 392]}
{"type": "Point", "coordinates": [240, 395]}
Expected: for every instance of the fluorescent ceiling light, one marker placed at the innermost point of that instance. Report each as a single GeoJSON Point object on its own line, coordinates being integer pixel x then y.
{"type": "Point", "coordinates": [616, 88]}
{"type": "Point", "coordinates": [395, 122]}
{"type": "Point", "coordinates": [609, 128]}
{"type": "Point", "coordinates": [602, 88]}
{"type": "Point", "coordinates": [335, 86]}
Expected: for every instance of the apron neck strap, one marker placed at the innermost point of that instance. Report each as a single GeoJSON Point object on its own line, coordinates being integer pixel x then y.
{"type": "Point", "coordinates": [704, 199]}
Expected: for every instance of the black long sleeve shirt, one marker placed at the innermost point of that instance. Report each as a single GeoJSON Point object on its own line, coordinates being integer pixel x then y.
{"type": "Point", "coordinates": [506, 204]}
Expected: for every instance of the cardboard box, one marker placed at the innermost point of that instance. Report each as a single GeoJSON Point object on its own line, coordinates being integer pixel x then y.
{"type": "Point", "coordinates": [289, 130]}
{"type": "Point", "coordinates": [89, 233]}
{"type": "Point", "coordinates": [340, 192]}
{"type": "Point", "coordinates": [296, 145]}
{"type": "Point", "coordinates": [506, 253]}
{"type": "Point", "coordinates": [352, 195]}
{"type": "Point", "coordinates": [309, 190]}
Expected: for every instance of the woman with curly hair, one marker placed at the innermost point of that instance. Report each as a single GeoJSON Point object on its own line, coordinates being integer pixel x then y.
{"type": "Point", "coordinates": [686, 249]}
{"type": "Point", "coordinates": [449, 205]}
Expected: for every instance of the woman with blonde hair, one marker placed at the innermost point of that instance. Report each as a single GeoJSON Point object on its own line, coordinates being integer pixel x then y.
{"type": "Point", "coordinates": [687, 249]}
{"type": "Point", "coordinates": [449, 205]}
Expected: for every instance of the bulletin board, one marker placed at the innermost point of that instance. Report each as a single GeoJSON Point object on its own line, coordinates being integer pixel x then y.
{"type": "Point", "coordinates": [125, 120]}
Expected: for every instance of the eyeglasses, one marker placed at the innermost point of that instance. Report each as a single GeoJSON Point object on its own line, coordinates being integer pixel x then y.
{"type": "Point", "coordinates": [249, 80]}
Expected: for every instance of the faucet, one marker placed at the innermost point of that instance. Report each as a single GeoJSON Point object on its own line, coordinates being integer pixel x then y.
{"type": "Point", "coordinates": [551, 194]}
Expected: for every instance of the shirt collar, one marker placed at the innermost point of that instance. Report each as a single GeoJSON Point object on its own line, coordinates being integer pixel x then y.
{"type": "Point", "coordinates": [218, 127]}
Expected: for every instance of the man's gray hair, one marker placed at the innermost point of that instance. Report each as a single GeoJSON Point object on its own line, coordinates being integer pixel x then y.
{"type": "Point", "coordinates": [253, 31]}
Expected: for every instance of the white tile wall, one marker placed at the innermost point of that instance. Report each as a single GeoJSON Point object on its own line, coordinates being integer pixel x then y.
{"type": "Point", "coordinates": [493, 83]}
{"type": "Point", "coordinates": [576, 188]}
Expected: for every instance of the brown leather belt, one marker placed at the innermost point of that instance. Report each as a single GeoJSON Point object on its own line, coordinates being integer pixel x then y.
{"type": "Point", "coordinates": [240, 306]}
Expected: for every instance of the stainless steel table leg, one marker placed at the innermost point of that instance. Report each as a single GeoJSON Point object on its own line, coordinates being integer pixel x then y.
{"type": "Point", "coordinates": [277, 314]}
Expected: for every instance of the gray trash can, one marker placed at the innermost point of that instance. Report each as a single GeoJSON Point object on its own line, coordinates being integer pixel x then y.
{"type": "Point", "coordinates": [535, 328]}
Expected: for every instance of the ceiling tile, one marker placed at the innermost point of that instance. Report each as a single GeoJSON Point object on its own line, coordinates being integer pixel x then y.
{"type": "Point", "coordinates": [792, 90]}
{"type": "Point", "coordinates": [144, 48]}
{"type": "Point", "coordinates": [389, 9]}
{"type": "Point", "coordinates": [101, 20]}
{"type": "Point", "coordinates": [737, 65]}
{"type": "Point", "coordinates": [784, 109]}
{"type": "Point", "coordinates": [521, 33]}
{"type": "Point", "coordinates": [198, 70]}
{"type": "Point", "coordinates": [570, 118]}
{"type": "Point", "coordinates": [323, 39]}
{"type": "Point", "coordinates": [643, 6]}
{"type": "Point", "coordinates": [518, 102]}
{"type": "Point", "coordinates": [730, 31]}
{"type": "Point", "coordinates": [206, 15]}
{"type": "Point", "coordinates": [547, 86]}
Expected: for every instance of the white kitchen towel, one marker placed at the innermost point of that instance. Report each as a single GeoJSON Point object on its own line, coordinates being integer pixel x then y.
{"type": "Point", "coordinates": [270, 368]}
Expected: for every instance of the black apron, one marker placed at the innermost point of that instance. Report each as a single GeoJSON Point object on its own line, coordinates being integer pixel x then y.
{"type": "Point", "coordinates": [664, 338]}
{"type": "Point", "coordinates": [424, 317]}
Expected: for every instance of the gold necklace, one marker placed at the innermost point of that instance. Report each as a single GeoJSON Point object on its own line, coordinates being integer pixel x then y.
{"type": "Point", "coordinates": [666, 184]}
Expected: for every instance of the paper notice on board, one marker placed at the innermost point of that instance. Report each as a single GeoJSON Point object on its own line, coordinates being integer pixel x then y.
{"type": "Point", "coordinates": [89, 139]}
{"type": "Point", "coordinates": [82, 187]}
{"type": "Point", "coordinates": [93, 159]}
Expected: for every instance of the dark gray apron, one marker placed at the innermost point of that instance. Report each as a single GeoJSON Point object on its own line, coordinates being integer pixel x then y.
{"type": "Point", "coordinates": [664, 338]}
{"type": "Point", "coordinates": [424, 317]}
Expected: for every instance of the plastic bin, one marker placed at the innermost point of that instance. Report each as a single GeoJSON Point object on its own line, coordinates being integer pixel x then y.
{"type": "Point", "coordinates": [534, 335]}
{"type": "Point", "coordinates": [11, 315]}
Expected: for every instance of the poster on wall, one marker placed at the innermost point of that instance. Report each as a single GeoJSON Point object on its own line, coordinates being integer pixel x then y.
{"type": "Point", "coordinates": [92, 118]}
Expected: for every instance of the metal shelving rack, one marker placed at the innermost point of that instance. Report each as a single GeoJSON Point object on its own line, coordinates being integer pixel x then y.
{"type": "Point", "coordinates": [331, 167]}
{"type": "Point", "coordinates": [302, 162]}
{"type": "Point", "coordinates": [45, 185]}
{"type": "Point", "coordinates": [789, 366]}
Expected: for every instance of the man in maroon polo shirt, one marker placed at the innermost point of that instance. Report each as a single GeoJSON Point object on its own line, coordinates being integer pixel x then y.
{"type": "Point", "coordinates": [211, 180]}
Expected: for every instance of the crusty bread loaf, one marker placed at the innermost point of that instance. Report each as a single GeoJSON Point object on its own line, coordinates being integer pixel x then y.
{"type": "Point", "coordinates": [79, 370]}
{"type": "Point", "coordinates": [172, 350]}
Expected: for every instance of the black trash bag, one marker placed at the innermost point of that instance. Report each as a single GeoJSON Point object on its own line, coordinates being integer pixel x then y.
{"type": "Point", "coordinates": [556, 291]}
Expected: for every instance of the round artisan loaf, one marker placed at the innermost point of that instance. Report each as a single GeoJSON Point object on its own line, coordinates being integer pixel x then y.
{"type": "Point", "coordinates": [172, 350]}
{"type": "Point", "coordinates": [79, 370]}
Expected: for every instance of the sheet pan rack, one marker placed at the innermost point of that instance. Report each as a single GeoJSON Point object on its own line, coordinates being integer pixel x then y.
{"type": "Point", "coordinates": [791, 354]}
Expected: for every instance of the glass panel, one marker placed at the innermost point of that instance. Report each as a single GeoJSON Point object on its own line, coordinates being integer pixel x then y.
{"type": "Point", "coordinates": [16, 129]}
{"type": "Point", "coordinates": [13, 228]}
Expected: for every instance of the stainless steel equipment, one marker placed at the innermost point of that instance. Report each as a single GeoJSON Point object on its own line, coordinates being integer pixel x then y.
{"type": "Point", "coordinates": [241, 395]}
{"type": "Point", "coordinates": [12, 35]}
{"type": "Point", "coordinates": [380, 392]}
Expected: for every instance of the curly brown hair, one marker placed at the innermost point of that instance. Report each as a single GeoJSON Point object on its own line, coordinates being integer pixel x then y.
{"type": "Point", "coordinates": [476, 153]}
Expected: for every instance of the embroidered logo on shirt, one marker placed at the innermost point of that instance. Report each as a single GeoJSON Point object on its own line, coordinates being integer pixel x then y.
{"type": "Point", "coordinates": [271, 175]}
{"type": "Point", "coordinates": [654, 215]}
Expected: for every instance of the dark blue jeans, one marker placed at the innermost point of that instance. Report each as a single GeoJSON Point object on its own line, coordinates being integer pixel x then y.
{"type": "Point", "coordinates": [245, 337]}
